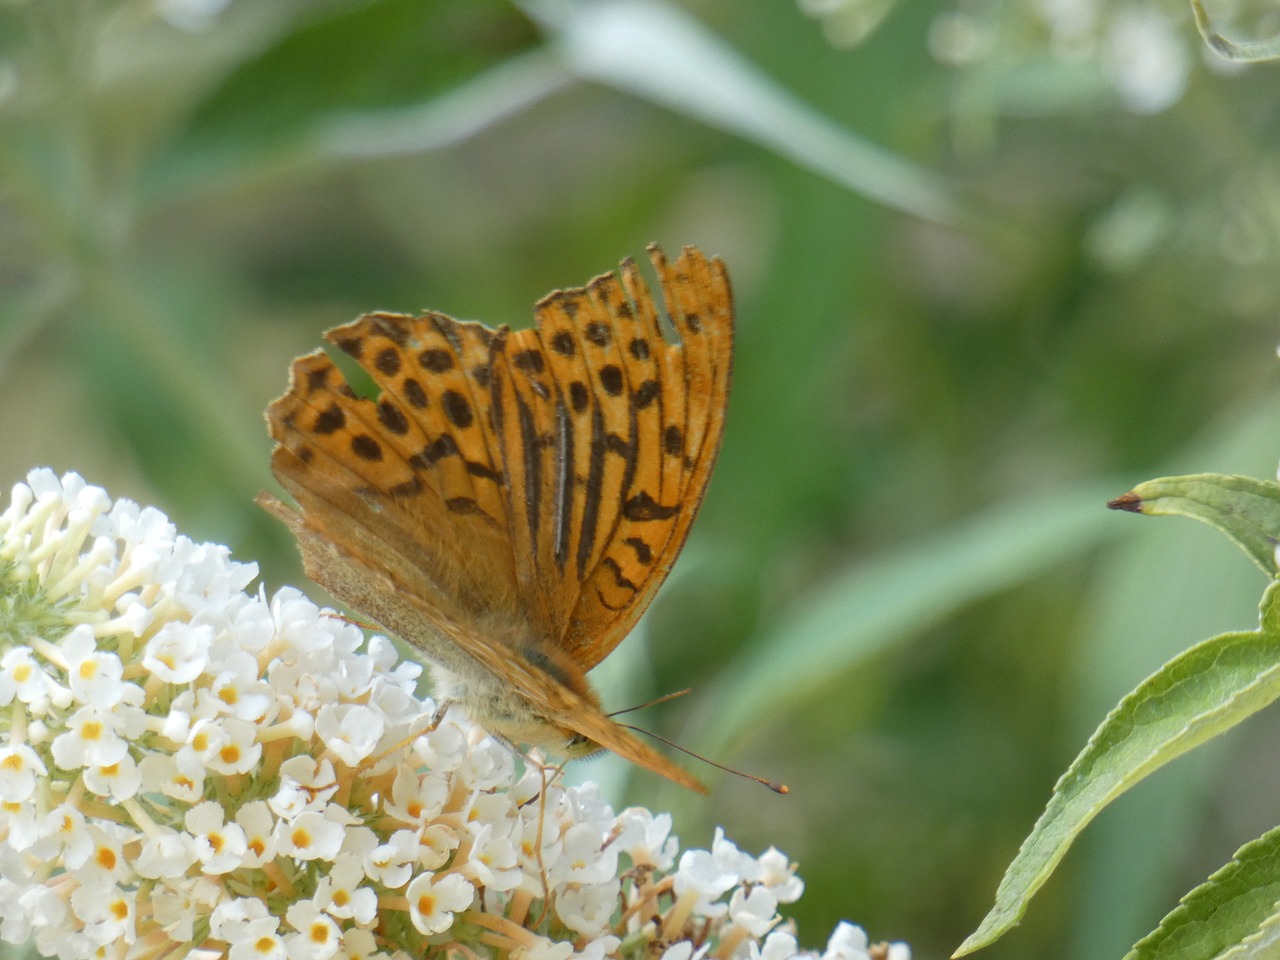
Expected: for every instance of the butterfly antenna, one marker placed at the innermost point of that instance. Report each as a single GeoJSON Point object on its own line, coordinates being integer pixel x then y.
{"type": "Point", "coordinates": [773, 785]}
{"type": "Point", "coordinates": [662, 699]}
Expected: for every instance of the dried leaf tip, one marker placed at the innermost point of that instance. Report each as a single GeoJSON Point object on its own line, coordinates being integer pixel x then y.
{"type": "Point", "coordinates": [1130, 502]}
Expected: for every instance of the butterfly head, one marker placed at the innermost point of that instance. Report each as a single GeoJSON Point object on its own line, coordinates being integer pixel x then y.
{"type": "Point", "coordinates": [497, 702]}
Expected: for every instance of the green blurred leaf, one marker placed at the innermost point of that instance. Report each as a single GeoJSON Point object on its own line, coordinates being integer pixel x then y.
{"type": "Point", "coordinates": [1233, 913]}
{"type": "Point", "coordinates": [1245, 509]}
{"type": "Point", "coordinates": [655, 51]}
{"type": "Point", "coordinates": [379, 55]}
{"type": "Point", "coordinates": [1194, 697]}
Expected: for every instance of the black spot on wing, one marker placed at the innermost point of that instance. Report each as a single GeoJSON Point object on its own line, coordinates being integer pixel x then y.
{"type": "Point", "coordinates": [457, 409]}
{"type": "Point", "coordinates": [365, 447]}
{"type": "Point", "coordinates": [612, 566]}
{"type": "Point", "coordinates": [390, 416]}
{"type": "Point", "coordinates": [414, 393]}
{"type": "Point", "coordinates": [435, 360]}
{"type": "Point", "coordinates": [330, 421]}
{"type": "Point", "coordinates": [388, 361]}
{"type": "Point", "coordinates": [644, 507]}
{"type": "Point", "coordinates": [641, 550]}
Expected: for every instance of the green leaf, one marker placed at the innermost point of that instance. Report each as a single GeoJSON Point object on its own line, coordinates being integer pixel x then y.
{"type": "Point", "coordinates": [380, 55]}
{"type": "Point", "coordinates": [1232, 913]}
{"type": "Point", "coordinates": [656, 51]}
{"type": "Point", "coordinates": [1192, 698]}
{"type": "Point", "coordinates": [1245, 509]}
{"type": "Point", "coordinates": [1237, 51]}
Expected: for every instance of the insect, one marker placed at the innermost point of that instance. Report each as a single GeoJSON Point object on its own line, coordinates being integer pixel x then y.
{"type": "Point", "coordinates": [512, 500]}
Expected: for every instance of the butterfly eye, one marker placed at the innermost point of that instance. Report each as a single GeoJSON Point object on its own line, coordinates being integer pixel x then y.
{"type": "Point", "coordinates": [578, 747]}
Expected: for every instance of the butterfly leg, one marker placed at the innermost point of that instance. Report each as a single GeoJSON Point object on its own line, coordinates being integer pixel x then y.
{"type": "Point", "coordinates": [438, 718]}
{"type": "Point", "coordinates": [542, 819]}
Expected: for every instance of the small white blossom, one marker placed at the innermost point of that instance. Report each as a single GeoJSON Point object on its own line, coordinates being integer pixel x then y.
{"type": "Point", "coordinates": [220, 846]}
{"type": "Point", "coordinates": [318, 937]}
{"type": "Point", "coordinates": [341, 895]}
{"type": "Point", "coordinates": [19, 767]}
{"type": "Point", "coordinates": [178, 652]}
{"type": "Point", "coordinates": [120, 780]}
{"type": "Point", "coordinates": [309, 836]}
{"type": "Point", "coordinates": [433, 903]}
{"type": "Point", "coordinates": [350, 730]}
{"type": "Point", "coordinates": [257, 940]}
{"type": "Point", "coordinates": [848, 942]}
{"type": "Point", "coordinates": [755, 910]}
{"type": "Point", "coordinates": [94, 676]}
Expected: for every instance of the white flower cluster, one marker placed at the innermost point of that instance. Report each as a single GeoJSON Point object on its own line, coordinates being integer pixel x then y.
{"type": "Point", "coordinates": [188, 769]}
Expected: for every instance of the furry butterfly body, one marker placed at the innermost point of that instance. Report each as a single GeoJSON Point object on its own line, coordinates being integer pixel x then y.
{"type": "Point", "coordinates": [511, 501]}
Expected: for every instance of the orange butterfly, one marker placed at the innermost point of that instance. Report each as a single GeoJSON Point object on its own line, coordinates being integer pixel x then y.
{"type": "Point", "coordinates": [511, 502]}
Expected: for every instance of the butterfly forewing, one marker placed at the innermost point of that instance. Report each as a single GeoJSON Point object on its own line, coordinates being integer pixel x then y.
{"type": "Point", "coordinates": [639, 419]}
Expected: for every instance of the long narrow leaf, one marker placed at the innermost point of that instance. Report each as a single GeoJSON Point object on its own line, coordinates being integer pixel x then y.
{"type": "Point", "coordinates": [1192, 698]}
{"type": "Point", "coordinates": [653, 50]}
{"type": "Point", "coordinates": [1233, 913]}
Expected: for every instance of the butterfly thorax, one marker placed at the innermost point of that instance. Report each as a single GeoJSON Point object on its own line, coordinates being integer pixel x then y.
{"type": "Point", "coordinates": [493, 703]}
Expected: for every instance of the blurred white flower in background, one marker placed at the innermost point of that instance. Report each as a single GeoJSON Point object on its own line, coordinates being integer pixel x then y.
{"type": "Point", "coordinates": [1146, 57]}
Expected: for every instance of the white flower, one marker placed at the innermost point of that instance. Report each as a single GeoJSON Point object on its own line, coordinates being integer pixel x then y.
{"type": "Point", "coordinates": [304, 785]}
{"type": "Point", "coordinates": [309, 836]}
{"type": "Point", "coordinates": [341, 895]}
{"type": "Point", "coordinates": [19, 767]}
{"type": "Point", "coordinates": [167, 853]}
{"type": "Point", "coordinates": [778, 874]}
{"type": "Point", "coordinates": [317, 937]}
{"type": "Point", "coordinates": [493, 863]}
{"type": "Point", "coordinates": [700, 873]}
{"type": "Point", "coordinates": [647, 839]}
{"type": "Point", "coordinates": [417, 799]}
{"type": "Point", "coordinates": [350, 730]}
{"type": "Point", "coordinates": [107, 912]}
{"type": "Point", "coordinates": [255, 819]}
{"type": "Point", "coordinates": [22, 676]}
{"type": "Point", "coordinates": [683, 950]}
{"type": "Point", "coordinates": [543, 949]}
{"type": "Point", "coordinates": [94, 676]}
{"type": "Point", "coordinates": [257, 940]}
{"type": "Point", "coordinates": [755, 910]}
{"type": "Point", "coordinates": [599, 948]}
{"type": "Point", "coordinates": [433, 902]}
{"type": "Point", "coordinates": [587, 908]}
{"type": "Point", "coordinates": [178, 652]}
{"type": "Point", "coordinates": [180, 776]}
{"type": "Point", "coordinates": [779, 945]}
{"type": "Point", "coordinates": [90, 740]}
{"type": "Point", "coordinates": [220, 846]}
{"type": "Point", "coordinates": [120, 780]}
{"type": "Point", "coordinates": [391, 863]}
{"type": "Point", "coordinates": [848, 942]}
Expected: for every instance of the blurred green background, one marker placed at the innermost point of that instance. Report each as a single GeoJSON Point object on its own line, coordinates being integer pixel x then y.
{"type": "Point", "coordinates": [994, 263]}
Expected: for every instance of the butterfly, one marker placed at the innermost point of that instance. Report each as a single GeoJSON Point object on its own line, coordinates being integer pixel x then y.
{"type": "Point", "coordinates": [511, 501]}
